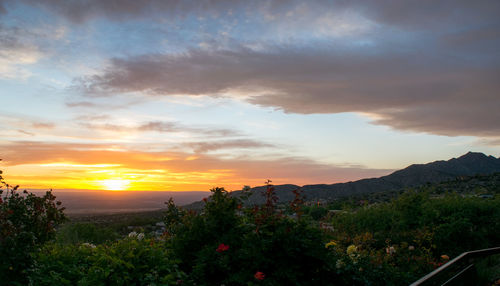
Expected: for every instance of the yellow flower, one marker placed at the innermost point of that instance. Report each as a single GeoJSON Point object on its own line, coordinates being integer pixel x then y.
{"type": "Point", "coordinates": [331, 243]}
{"type": "Point", "coordinates": [351, 249]}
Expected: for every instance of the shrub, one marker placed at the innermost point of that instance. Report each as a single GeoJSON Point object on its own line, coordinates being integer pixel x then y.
{"type": "Point", "coordinates": [400, 241]}
{"type": "Point", "coordinates": [26, 222]}
{"type": "Point", "coordinates": [317, 213]}
{"type": "Point", "coordinates": [73, 233]}
{"type": "Point", "coordinates": [129, 261]}
{"type": "Point", "coordinates": [225, 244]}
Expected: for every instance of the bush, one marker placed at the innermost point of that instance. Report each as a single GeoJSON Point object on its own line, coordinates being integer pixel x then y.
{"type": "Point", "coordinates": [128, 261]}
{"type": "Point", "coordinates": [456, 223]}
{"type": "Point", "coordinates": [228, 245]}
{"type": "Point", "coordinates": [26, 222]}
{"type": "Point", "coordinates": [400, 241]}
{"type": "Point", "coordinates": [317, 213]}
{"type": "Point", "coordinates": [74, 233]}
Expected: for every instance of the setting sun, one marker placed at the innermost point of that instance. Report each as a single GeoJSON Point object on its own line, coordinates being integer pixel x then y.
{"type": "Point", "coordinates": [115, 184]}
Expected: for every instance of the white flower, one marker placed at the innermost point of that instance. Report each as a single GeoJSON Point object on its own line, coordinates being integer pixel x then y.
{"type": "Point", "coordinates": [390, 250]}
{"type": "Point", "coordinates": [88, 245]}
{"type": "Point", "coordinates": [339, 264]}
{"type": "Point", "coordinates": [132, 234]}
{"type": "Point", "coordinates": [140, 236]}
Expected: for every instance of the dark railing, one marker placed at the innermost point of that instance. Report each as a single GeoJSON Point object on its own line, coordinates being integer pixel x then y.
{"type": "Point", "coordinates": [458, 271]}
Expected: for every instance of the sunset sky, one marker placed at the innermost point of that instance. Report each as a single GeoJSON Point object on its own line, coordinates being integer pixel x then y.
{"type": "Point", "coordinates": [188, 95]}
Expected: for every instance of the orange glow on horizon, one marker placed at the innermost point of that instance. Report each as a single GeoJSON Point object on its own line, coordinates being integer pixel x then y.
{"type": "Point", "coordinates": [58, 167]}
{"type": "Point", "coordinates": [115, 177]}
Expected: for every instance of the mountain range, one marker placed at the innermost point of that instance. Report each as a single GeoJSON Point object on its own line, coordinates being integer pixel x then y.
{"type": "Point", "coordinates": [415, 175]}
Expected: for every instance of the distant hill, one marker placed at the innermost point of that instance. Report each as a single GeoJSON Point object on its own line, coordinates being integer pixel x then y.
{"type": "Point", "coordinates": [415, 175]}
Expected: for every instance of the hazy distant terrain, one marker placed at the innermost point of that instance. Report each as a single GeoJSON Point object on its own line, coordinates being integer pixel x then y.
{"type": "Point", "coordinates": [91, 201]}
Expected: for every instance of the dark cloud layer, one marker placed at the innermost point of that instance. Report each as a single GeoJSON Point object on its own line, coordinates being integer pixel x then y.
{"type": "Point", "coordinates": [432, 92]}
{"type": "Point", "coordinates": [409, 13]}
{"type": "Point", "coordinates": [122, 10]}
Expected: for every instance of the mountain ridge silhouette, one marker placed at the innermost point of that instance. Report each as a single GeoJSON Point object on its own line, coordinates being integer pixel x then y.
{"type": "Point", "coordinates": [469, 164]}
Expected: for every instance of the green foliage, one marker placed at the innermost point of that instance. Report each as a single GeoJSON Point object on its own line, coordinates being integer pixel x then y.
{"type": "Point", "coordinates": [457, 223]}
{"type": "Point", "coordinates": [400, 241]}
{"type": "Point", "coordinates": [26, 222]}
{"type": "Point", "coordinates": [225, 245]}
{"type": "Point", "coordinates": [199, 234]}
{"type": "Point", "coordinates": [316, 212]}
{"type": "Point", "coordinates": [128, 261]}
{"type": "Point", "coordinates": [73, 233]}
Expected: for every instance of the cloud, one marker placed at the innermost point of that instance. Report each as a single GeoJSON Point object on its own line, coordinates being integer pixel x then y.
{"type": "Point", "coordinates": [29, 125]}
{"type": "Point", "coordinates": [493, 141]}
{"type": "Point", "coordinates": [422, 90]}
{"type": "Point", "coordinates": [81, 104]}
{"type": "Point", "coordinates": [43, 125]}
{"type": "Point", "coordinates": [244, 170]}
{"type": "Point", "coordinates": [214, 138]}
{"type": "Point", "coordinates": [25, 132]}
{"type": "Point", "coordinates": [16, 52]}
{"type": "Point", "coordinates": [2, 8]}
{"type": "Point", "coordinates": [122, 10]}
{"type": "Point", "coordinates": [406, 14]}
{"type": "Point", "coordinates": [424, 66]}
{"type": "Point", "coordinates": [203, 147]}
{"type": "Point", "coordinates": [154, 126]}
{"type": "Point", "coordinates": [162, 126]}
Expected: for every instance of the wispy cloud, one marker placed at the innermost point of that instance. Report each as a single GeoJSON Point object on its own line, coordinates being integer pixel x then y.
{"type": "Point", "coordinates": [203, 147]}
{"type": "Point", "coordinates": [231, 172]}
{"type": "Point", "coordinates": [81, 104]}
{"type": "Point", "coordinates": [161, 126]}
{"type": "Point", "coordinates": [155, 126]}
{"type": "Point", "coordinates": [43, 125]}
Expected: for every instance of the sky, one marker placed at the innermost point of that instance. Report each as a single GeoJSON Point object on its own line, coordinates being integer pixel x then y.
{"type": "Point", "coordinates": [189, 95]}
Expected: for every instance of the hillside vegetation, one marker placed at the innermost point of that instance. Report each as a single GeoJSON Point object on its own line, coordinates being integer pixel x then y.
{"type": "Point", "coordinates": [384, 243]}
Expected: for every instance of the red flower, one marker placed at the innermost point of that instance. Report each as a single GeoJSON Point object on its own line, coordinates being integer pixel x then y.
{"type": "Point", "coordinates": [222, 247]}
{"type": "Point", "coordinates": [259, 275]}
{"type": "Point", "coordinates": [205, 200]}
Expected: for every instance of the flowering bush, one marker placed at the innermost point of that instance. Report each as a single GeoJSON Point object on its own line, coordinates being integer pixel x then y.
{"type": "Point", "coordinates": [227, 245]}
{"type": "Point", "coordinates": [398, 242]}
{"type": "Point", "coordinates": [222, 247]}
{"type": "Point", "coordinates": [26, 222]}
{"type": "Point", "coordinates": [259, 275]}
